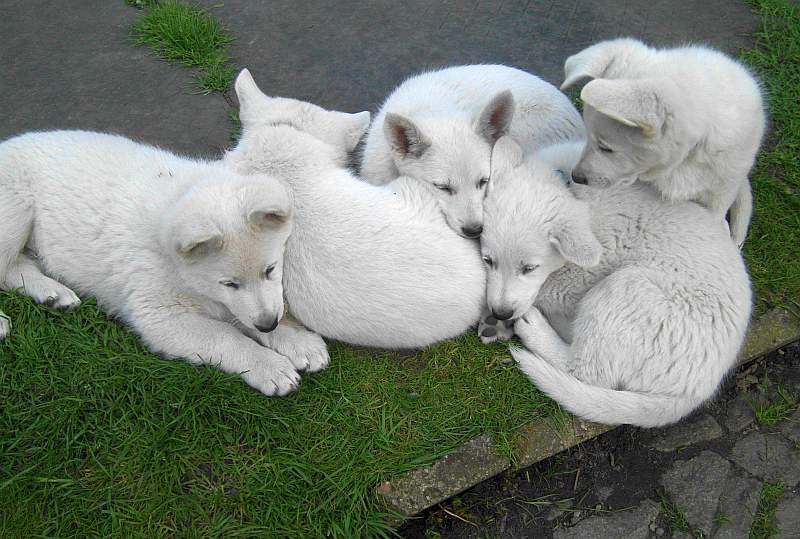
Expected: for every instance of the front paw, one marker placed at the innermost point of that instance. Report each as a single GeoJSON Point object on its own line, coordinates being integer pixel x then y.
{"type": "Point", "coordinates": [305, 349]}
{"type": "Point", "coordinates": [273, 375]}
{"type": "Point", "coordinates": [308, 351]}
{"type": "Point", "coordinates": [490, 330]}
{"type": "Point", "coordinates": [530, 328]}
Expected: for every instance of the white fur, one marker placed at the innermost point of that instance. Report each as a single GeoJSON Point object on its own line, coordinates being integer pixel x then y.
{"type": "Point", "coordinates": [687, 120]}
{"type": "Point", "coordinates": [367, 265]}
{"type": "Point", "coordinates": [153, 237]}
{"type": "Point", "coordinates": [655, 296]}
{"type": "Point", "coordinates": [451, 112]}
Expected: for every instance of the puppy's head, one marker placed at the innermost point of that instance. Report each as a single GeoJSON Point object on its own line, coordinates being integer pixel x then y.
{"type": "Point", "coordinates": [636, 129]}
{"type": "Point", "coordinates": [639, 124]}
{"type": "Point", "coordinates": [452, 156]}
{"type": "Point", "coordinates": [532, 227]}
{"type": "Point", "coordinates": [341, 130]}
{"type": "Point", "coordinates": [226, 237]}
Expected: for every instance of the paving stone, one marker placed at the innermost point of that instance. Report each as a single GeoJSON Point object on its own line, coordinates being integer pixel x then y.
{"type": "Point", "coordinates": [738, 504]}
{"type": "Point", "coordinates": [739, 414]}
{"type": "Point", "coordinates": [698, 429]}
{"type": "Point", "coordinates": [77, 68]}
{"type": "Point", "coordinates": [695, 486]}
{"type": "Point", "coordinates": [791, 427]}
{"type": "Point", "coordinates": [768, 457]}
{"type": "Point", "coordinates": [628, 524]}
{"type": "Point", "coordinates": [787, 516]}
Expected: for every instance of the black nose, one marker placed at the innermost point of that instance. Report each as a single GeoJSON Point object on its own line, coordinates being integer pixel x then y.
{"type": "Point", "coordinates": [577, 178]}
{"type": "Point", "coordinates": [266, 328]}
{"type": "Point", "coordinates": [472, 231]}
{"type": "Point", "coordinates": [502, 315]}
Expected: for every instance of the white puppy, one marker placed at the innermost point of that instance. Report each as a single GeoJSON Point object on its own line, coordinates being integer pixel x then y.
{"type": "Point", "coordinates": [367, 265]}
{"type": "Point", "coordinates": [439, 127]}
{"type": "Point", "coordinates": [656, 295]}
{"type": "Point", "coordinates": [179, 249]}
{"type": "Point", "coordinates": [688, 121]}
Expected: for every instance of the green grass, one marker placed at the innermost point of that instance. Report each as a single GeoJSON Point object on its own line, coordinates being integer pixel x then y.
{"type": "Point", "coordinates": [674, 516]}
{"type": "Point", "coordinates": [763, 525]}
{"type": "Point", "coordinates": [773, 247]}
{"type": "Point", "coordinates": [189, 35]}
{"type": "Point", "coordinates": [100, 437]}
{"type": "Point", "coordinates": [780, 409]}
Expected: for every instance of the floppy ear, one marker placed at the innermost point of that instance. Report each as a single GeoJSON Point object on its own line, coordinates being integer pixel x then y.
{"type": "Point", "coordinates": [268, 217]}
{"type": "Point", "coordinates": [593, 62]}
{"type": "Point", "coordinates": [248, 94]}
{"type": "Point", "coordinates": [356, 125]}
{"type": "Point", "coordinates": [197, 239]}
{"type": "Point", "coordinates": [493, 122]}
{"type": "Point", "coordinates": [572, 235]}
{"type": "Point", "coordinates": [404, 136]}
{"type": "Point", "coordinates": [638, 103]}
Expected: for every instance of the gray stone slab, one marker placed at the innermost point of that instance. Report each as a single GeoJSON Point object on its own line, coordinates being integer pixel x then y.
{"type": "Point", "coordinates": [791, 427]}
{"type": "Point", "coordinates": [737, 506]}
{"type": "Point", "coordinates": [739, 414]}
{"type": "Point", "coordinates": [75, 66]}
{"type": "Point", "coordinates": [630, 524]}
{"type": "Point", "coordinates": [351, 54]}
{"type": "Point", "coordinates": [787, 516]}
{"type": "Point", "coordinates": [466, 466]}
{"type": "Point", "coordinates": [697, 429]}
{"type": "Point", "coordinates": [695, 486]}
{"type": "Point", "coordinates": [769, 457]}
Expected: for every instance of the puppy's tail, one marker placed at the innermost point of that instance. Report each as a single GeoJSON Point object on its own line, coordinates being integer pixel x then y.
{"type": "Point", "coordinates": [607, 406]}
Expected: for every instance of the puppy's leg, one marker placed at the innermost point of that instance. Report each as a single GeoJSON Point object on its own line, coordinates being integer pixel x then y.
{"type": "Point", "coordinates": [490, 329]}
{"type": "Point", "coordinates": [305, 349]}
{"type": "Point", "coordinates": [539, 337]}
{"type": "Point", "coordinates": [202, 340]}
{"type": "Point", "coordinates": [740, 213]}
{"type": "Point", "coordinates": [25, 275]}
{"type": "Point", "coordinates": [5, 325]}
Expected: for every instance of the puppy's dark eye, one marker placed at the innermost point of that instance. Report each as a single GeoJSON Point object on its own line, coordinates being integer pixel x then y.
{"type": "Point", "coordinates": [527, 268]}
{"type": "Point", "coordinates": [268, 271]}
{"type": "Point", "coordinates": [482, 183]}
{"type": "Point", "coordinates": [488, 260]}
{"type": "Point", "coordinates": [230, 284]}
{"type": "Point", "coordinates": [605, 149]}
{"type": "Point", "coordinates": [444, 187]}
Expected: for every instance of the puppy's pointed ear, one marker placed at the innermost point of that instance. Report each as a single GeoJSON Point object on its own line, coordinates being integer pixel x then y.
{"type": "Point", "coordinates": [593, 62]}
{"type": "Point", "coordinates": [197, 239]}
{"type": "Point", "coordinates": [404, 136]}
{"type": "Point", "coordinates": [572, 235]}
{"type": "Point", "coordinates": [641, 103]}
{"type": "Point", "coordinates": [249, 94]}
{"type": "Point", "coordinates": [494, 120]}
{"type": "Point", "coordinates": [506, 156]}
{"type": "Point", "coordinates": [355, 126]}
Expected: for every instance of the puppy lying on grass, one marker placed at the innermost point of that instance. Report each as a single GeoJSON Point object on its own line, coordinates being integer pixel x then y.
{"type": "Point", "coordinates": [187, 253]}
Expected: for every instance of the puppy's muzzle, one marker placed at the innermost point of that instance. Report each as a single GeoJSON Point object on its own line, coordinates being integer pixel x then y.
{"type": "Point", "coordinates": [265, 326]}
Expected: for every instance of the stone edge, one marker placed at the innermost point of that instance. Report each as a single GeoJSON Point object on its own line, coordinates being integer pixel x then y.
{"type": "Point", "coordinates": [478, 460]}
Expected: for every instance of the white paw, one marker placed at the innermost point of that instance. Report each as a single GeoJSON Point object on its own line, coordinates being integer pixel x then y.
{"type": "Point", "coordinates": [5, 326]}
{"type": "Point", "coordinates": [54, 294]}
{"type": "Point", "coordinates": [305, 349]}
{"type": "Point", "coordinates": [530, 327]}
{"type": "Point", "coordinates": [272, 375]}
{"type": "Point", "coordinates": [492, 330]}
